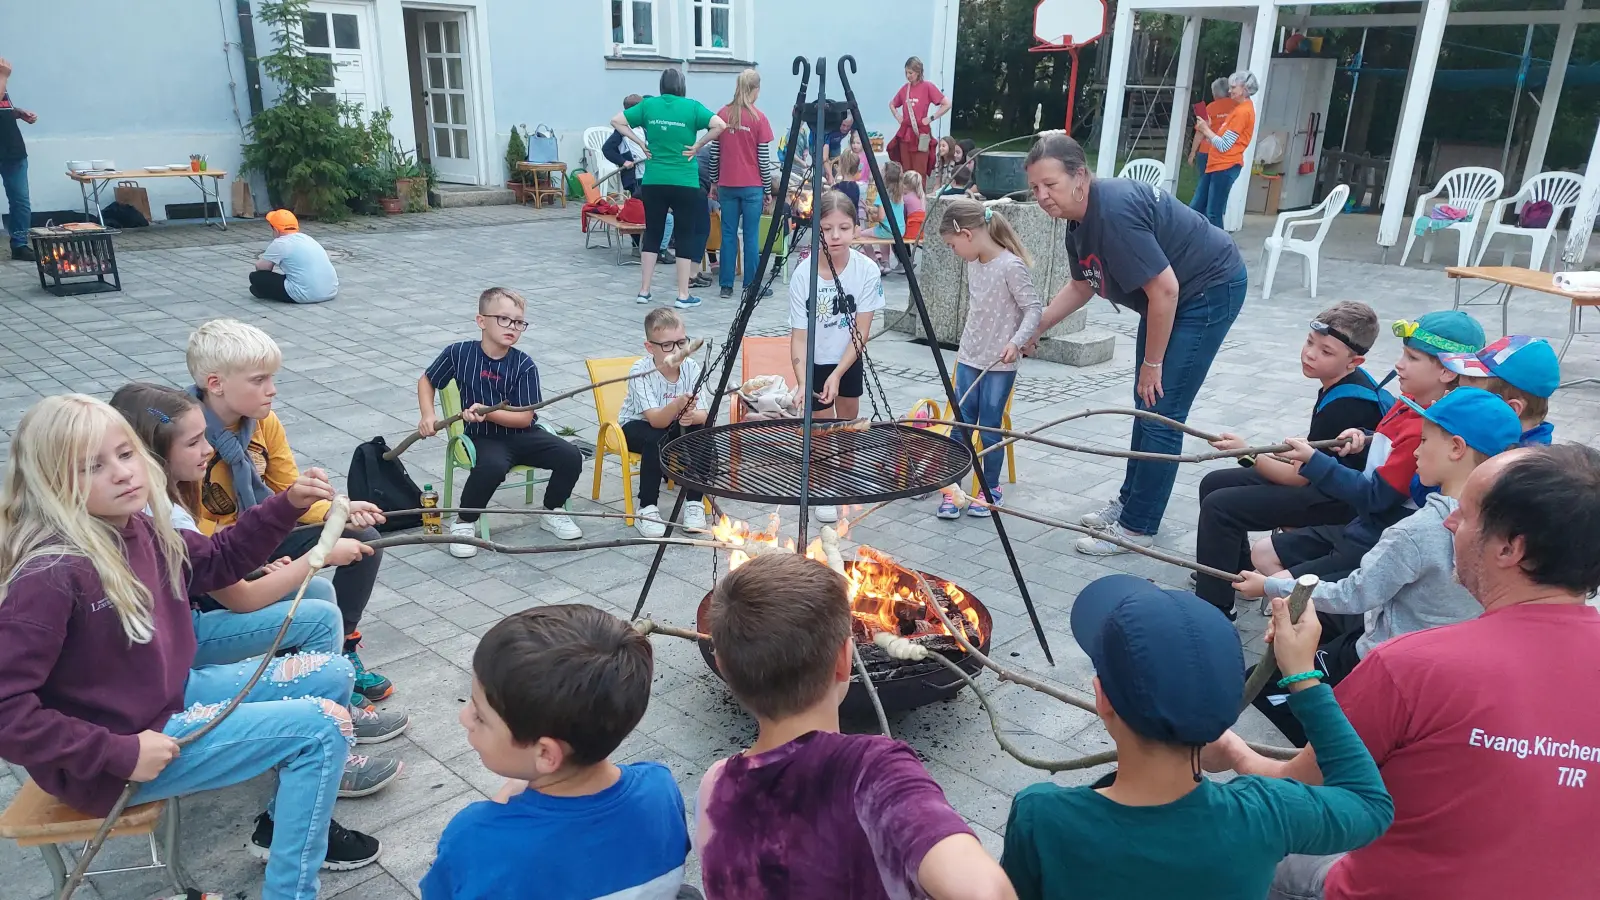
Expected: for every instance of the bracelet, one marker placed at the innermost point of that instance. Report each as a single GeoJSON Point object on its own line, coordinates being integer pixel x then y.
{"type": "Point", "coordinates": [1153, 365]}
{"type": "Point", "coordinates": [1296, 679]}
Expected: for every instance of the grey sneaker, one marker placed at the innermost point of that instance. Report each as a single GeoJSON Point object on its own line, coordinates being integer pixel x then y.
{"type": "Point", "coordinates": [1104, 517]}
{"type": "Point", "coordinates": [374, 725]}
{"type": "Point", "coordinates": [364, 775]}
{"type": "Point", "coordinates": [1093, 546]}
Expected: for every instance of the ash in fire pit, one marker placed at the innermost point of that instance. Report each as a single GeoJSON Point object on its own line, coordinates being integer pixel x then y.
{"type": "Point", "coordinates": [76, 259]}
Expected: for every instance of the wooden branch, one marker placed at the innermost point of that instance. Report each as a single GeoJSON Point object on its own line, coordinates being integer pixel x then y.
{"type": "Point", "coordinates": [651, 626]}
{"type": "Point", "coordinates": [1153, 553]}
{"type": "Point", "coordinates": [973, 385]}
{"type": "Point", "coordinates": [674, 359]}
{"type": "Point", "coordinates": [406, 540]}
{"type": "Point", "coordinates": [1303, 586]}
{"type": "Point", "coordinates": [1126, 454]}
{"type": "Point", "coordinates": [871, 689]}
{"type": "Point", "coordinates": [525, 511]}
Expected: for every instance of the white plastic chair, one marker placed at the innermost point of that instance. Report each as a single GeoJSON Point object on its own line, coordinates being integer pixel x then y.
{"type": "Point", "coordinates": [1467, 188]}
{"type": "Point", "coordinates": [1321, 216]}
{"type": "Point", "coordinates": [1150, 171]}
{"type": "Point", "coordinates": [1560, 189]}
{"type": "Point", "coordinates": [594, 139]}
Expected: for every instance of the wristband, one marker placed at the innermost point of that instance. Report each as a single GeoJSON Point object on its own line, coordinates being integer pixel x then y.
{"type": "Point", "coordinates": [1153, 365]}
{"type": "Point", "coordinates": [1296, 679]}
{"type": "Point", "coordinates": [1247, 461]}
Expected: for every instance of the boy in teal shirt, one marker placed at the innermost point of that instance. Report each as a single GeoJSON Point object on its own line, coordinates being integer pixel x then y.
{"type": "Point", "coordinates": [1169, 673]}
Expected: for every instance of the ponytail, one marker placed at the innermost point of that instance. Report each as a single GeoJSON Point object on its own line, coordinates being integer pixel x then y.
{"type": "Point", "coordinates": [970, 215]}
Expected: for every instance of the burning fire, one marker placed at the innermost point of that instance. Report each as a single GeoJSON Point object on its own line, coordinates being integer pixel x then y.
{"type": "Point", "coordinates": [64, 259]}
{"type": "Point", "coordinates": [884, 596]}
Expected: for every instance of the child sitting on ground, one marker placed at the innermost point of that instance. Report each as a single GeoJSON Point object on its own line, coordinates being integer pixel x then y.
{"type": "Point", "coordinates": [807, 811]}
{"type": "Point", "coordinates": [1168, 675]}
{"type": "Point", "coordinates": [1002, 317]}
{"type": "Point", "coordinates": [1407, 581]}
{"type": "Point", "coordinates": [1380, 495]}
{"type": "Point", "coordinates": [97, 682]}
{"type": "Point", "coordinates": [233, 366]}
{"type": "Point", "coordinates": [488, 372]}
{"type": "Point", "coordinates": [306, 275]}
{"type": "Point", "coordinates": [1264, 492]}
{"type": "Point", "coordinates": [555, 690]}
{"type": "Point", "coordinates": [660, 403]}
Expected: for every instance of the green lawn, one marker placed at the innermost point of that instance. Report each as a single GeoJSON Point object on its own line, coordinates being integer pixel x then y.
{"type": "Point", "coordinates": [1188, 177]}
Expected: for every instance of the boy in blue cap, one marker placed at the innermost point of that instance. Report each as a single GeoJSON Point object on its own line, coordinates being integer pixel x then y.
{"type": "Point", "coordinates": [1168, 675]}
{"type": "Point", "coordinates": [1521, 370]}
{"type": "Point", "coordinates": [1407, 581]}
{"type": "Point", "coordinates": [1381, 494]}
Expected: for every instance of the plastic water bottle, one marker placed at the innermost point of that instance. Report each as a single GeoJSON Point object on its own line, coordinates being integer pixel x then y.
{"type": "Point", "coordinates": [432, 522]}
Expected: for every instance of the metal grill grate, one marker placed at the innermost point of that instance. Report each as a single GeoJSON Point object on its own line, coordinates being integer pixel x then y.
{"type": "Point", "coordinates": [760, 462]}
{"type": "Point", "coordinates": [76, 260]}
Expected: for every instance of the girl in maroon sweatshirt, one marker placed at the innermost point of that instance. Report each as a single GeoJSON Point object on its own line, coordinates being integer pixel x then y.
{"type": "Point", "coordinates": [96, 682]}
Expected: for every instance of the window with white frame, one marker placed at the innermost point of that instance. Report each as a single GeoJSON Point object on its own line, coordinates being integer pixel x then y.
{"type": "Point", "coordinates": [713, 27]}
{"type": "Point", "coordinates": [634, 26]}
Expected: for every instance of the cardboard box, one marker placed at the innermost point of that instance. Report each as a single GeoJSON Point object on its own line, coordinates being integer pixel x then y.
{"type": "Point", "coordinates": [1265, 191]}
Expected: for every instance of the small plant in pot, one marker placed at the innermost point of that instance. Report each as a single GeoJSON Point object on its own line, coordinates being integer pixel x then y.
{"type": "Point", "coordinates": [516, 151]}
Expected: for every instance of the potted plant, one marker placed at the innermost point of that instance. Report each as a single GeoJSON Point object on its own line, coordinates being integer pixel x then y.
{"type": "Point", "coordinates": [516, 151]}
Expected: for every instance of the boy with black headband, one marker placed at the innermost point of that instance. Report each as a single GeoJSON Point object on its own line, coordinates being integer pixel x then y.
{"type": "Point", "coordinates": [1265, 493]}
{"type": "Point", "coordinates": [1168, 675]}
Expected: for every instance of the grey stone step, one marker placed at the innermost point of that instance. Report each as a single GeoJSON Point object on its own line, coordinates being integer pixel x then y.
{"type": "Point", "coordinates": [453, 196]}
{"type": "Point", "coordinates": [1088, 347]}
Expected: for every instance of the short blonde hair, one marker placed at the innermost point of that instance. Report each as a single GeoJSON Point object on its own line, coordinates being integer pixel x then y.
{"type": "Point", "coordinates": [660, 318]}
{"type": "Point", "coordinates": [230, 347]}
{"type": "Point", "coordinates": [490, 295]}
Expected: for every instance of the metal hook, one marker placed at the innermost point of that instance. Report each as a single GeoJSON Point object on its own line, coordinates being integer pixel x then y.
{"type": "Point", "coordinates": [801, 64]}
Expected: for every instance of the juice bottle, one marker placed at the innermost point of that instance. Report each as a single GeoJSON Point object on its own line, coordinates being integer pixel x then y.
{"type": "Point", "coordinates": [432, 522]}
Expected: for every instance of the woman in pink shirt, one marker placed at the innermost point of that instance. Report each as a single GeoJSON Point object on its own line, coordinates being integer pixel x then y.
{"type": "Point", "coordinates": [915, 107]}
{"type": "Point", "coordinates": [740, 160]}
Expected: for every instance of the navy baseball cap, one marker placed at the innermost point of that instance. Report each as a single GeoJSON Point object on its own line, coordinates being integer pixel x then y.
{"type": "Point", "coordinates": [1488, 424]}
{"type": "Point", "coordinates": [1170, 663]}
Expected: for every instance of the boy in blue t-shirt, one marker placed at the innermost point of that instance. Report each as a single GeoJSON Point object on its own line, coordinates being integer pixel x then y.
{"type": "Point", "coordinates": [555, 689]}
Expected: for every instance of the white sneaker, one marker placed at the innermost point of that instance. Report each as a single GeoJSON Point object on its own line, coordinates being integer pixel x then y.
{"type": "Point", "coordinates": [1093, 546]}
{"type": "Point", "coordinates": [826, 514]}
{"type": "Point", "coordinates": [694, 515]}
{"type": "Point", "coordinates": [646, 522]}
{"type": "Point", "coordinates": [1105, 517]}
{"type": "Point", "coordinates": [561, 525]}
{"type": "Point", "coordinates": [463, 529]}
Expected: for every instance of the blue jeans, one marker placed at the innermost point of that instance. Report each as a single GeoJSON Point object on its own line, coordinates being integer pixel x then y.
{"type": "Point", "coordinates": [293, 721]}
{"type": "Point", "coordinates": [14, 175]}
{"type": "Point", "coordinates": [224, 636]}
{"type": "Point", "coordinates": [1211, 195]}
{"type": "Point", "coordinates": [740, 203]}
{"type": "Point", "coordinates": [666, 233]}
{"type": "Point", "coordinates": [1197, 332]}
{"type": "Point", "coordinates": [985, 406]}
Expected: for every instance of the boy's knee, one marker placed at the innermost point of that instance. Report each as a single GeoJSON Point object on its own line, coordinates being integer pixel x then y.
{"type": "Point", "coordinates": [1264, 556]}
{"type": "Point", "coordinates": [570, 460]}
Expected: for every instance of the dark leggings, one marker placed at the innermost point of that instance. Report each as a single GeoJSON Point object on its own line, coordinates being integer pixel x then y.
{"type": "Point", "coordinates": [1336, 657]}
{"type": "Point", "coordinates": [269, 285]}
{"type": "Point", "coordinates": [353, 583]}
{"type": "Point", "coordinates": [645, 440]}
{"type": "Point", "coordinates": [1235, 501]}
{"type": "Point", "coordinates": [530, 447]}
{"type": "Point", "coordinates": [691, 218]}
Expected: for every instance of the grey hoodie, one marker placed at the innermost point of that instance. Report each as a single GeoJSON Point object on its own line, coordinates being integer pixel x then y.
{"type": "Point", "coordinates": [1406, 582]}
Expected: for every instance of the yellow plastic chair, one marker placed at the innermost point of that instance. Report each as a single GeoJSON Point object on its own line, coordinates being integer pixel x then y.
{"type": "Point", "coordinates": [612, 442]}
{"type": "Point", "coordinates": [459, 453]}
{"type": "Point", "coordinates": [1010, 451]}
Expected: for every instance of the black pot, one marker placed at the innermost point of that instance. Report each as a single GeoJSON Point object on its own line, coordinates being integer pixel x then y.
{"type": "Point", "coordinates": [1000, 172]}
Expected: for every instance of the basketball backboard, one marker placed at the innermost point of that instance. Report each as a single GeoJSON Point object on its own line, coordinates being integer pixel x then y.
{"type": "Point", "coordinates": [1069, 23]}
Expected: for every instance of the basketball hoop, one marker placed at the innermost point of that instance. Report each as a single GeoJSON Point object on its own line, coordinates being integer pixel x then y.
{"type": "Point", "coordinates": [1068, 25]}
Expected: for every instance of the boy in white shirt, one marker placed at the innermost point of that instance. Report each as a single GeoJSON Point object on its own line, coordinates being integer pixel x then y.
{"type": "Point", "coordinates": [658, 407]}
{"type": "Point", "coordinates": [306, 274]}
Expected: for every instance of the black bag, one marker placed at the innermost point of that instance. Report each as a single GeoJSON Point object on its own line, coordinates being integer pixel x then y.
{"type": "Point", "coordinates": [121, 215]}
{"type": "Point", "coordinates": [384, 483]}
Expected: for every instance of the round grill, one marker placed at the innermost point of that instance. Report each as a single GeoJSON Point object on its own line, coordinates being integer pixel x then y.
{"type": "Point", "coordinates": [759, 461]}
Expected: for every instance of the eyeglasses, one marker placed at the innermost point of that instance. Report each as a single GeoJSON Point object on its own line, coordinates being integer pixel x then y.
{"type": "Point", "coordinates": [669, 346]}
{"type": "Point", "coordinates": [1413, 331]}
{"type": "Point", "coordinates": [508, 322]}
{"type": "Point", "coordinates": [1321, 327]}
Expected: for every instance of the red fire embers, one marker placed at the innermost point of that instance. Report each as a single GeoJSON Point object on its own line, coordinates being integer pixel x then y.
{"type": "Point", "coordinates": [73, 259]}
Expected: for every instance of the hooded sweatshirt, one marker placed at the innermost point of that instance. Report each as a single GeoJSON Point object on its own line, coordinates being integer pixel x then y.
{"type": "Point", "coordinates": [1406, 582]}
{"type": "Point", "coordinates": [74, 691]}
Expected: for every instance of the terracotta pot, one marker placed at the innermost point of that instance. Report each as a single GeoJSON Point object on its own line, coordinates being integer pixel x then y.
{"type": "Point", "coordinates": [519, 191]}
{"type": "Point", "coordinates": [402, 187]}
{"type": "Point", "coordinates": [392, 205]}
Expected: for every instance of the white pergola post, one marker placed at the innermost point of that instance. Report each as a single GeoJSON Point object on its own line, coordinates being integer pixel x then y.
{"type": "Point", "coordinates": [1588, 204]}
{"type": "Point", "coordinates": [1264, 33]}
{"type": "Point", "coordinates": [1182, 98]}
{"type": "Point", "coordinates": [1247, 40]}
{"type": "Point", "coordinates": [1403, 160]}
{"type": "Point", "coordinates": [1565, 33]}
{"type": "Point", "coordinates": [1116, 92]}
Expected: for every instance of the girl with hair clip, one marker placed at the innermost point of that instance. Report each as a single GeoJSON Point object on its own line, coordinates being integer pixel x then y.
{"type": "Point", "coordinates": [1001, 320]}
{"type": "Point", "coordinates": [96, 681]}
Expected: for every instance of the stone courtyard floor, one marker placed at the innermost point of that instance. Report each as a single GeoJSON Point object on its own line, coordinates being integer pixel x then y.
{"type": "Point", "coordinates": [408, 288]}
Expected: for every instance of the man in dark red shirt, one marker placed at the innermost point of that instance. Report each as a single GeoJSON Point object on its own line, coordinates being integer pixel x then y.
{"type": "Point", "coordinates": [1485, 732]}
{"type": "Point", "coordinates": [14, 167]}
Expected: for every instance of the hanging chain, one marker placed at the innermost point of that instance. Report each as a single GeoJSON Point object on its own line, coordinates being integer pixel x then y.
{"type": "Point", "coordinates": [845, 304]}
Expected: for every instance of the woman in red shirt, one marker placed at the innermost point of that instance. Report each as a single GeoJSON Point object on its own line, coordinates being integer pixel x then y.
{"type": "Point", "coordinates": [915, 106]}
{"type": "Point", "coordinates": [1225, 156]}
{"type": "Point", "coordinates": [740, 165]}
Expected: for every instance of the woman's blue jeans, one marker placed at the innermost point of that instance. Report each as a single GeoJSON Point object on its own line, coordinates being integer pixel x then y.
{"type": "Point", "coordinates": [223, 636]}
{"type": "Point", "coordinates": [740, 203]}
{"type": "Point", "coordinates": [985, 406]}
{"type": "Point", "coordinates": [1211, 194]}
{"type": "Point", "coordinates": [1201, 323]}
{"type": "Point", "coordinates": [294, 720]}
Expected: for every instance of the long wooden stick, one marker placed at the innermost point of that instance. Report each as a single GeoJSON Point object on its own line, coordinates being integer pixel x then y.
{"type": "Point", "coordinates": [406, 540]}
{"type": "Point", "coordinates": [1127, 454]}
{"type": "Point", "coordinates": [1110, 538]}
{"type": "Point", "coordinates": [526, 511]}
{"type": "Point", "coordinates": [674, 359]}
{"type": "Point", "coordinates": [1303, 586]}
{"type": "Point", "coordinates": [332, 529]}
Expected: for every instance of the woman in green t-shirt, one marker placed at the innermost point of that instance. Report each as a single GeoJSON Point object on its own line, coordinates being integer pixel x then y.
{"type": "Point", "coordinates": [671, 182]}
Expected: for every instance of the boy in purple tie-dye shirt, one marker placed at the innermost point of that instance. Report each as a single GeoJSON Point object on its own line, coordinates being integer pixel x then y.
{"type": "Point", "coordinates": [808, 812]}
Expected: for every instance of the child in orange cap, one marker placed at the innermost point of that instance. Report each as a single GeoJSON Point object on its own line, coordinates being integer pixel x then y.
{"type": "Point", "coordinates": [305, 274]}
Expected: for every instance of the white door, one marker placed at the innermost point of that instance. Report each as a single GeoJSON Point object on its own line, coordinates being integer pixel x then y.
{"type": "Point", "coordinates": [341, 33]}
{"type": "Point", "coordinates": [447, 97]}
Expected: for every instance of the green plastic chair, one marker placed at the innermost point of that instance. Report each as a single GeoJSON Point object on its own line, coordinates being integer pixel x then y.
{"type": "Point", "coordinates": [459, 453]}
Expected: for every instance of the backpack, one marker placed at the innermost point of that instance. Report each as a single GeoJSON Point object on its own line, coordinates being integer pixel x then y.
{"type": "Point", "coordinates": [1536, 214]}
{"type": "Point", "coordinates": [384, 483]}
{"type": "Point", "coordinates": [1370, 391]}
{"type": "Point", "coordinates": [632, 212]}
{"type": "Point", "coordinates": [121, 215]}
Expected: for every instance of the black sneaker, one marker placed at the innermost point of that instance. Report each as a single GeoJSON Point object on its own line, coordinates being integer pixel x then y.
{"type": "Point", "coordinates": [700, 281]}
{"type": "Point", "coordinates": [346, 849]}
{"type": "Point", "coordinates": [24, 253]}
{"type": "Point", "coordinates": [666, 258]}
{"type": "Point", "coordinates": [725, 293]}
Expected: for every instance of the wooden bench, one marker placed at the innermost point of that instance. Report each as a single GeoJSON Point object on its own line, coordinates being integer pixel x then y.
{"type": "Point", "coordinates": [611, 225]}
{"type": "Point", "coordinates": [36, 819]}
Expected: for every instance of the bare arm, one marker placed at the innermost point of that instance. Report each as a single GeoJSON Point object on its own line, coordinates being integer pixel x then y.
{"type": "Point", "coordinates": [940, 111]}
{"type": "Point", "coordinates": [713, 131]}
{"type": "Point", "coordinates": [427, 419]}
{"type": "Point", "coordinates": [1162, 292]}
{"type": "Point", "coordinates": [797, 357]}
{"type": "Point", "coordinates": [249, 596]}
{"type": "Point", "coordinates": [1230, 752]}
{"type": "Point", "coordinates": [1071, 298]}
{"type": "Point", "coordinates": [957, 868]}
{"type": "Point", "coordinates": [1279, 472]}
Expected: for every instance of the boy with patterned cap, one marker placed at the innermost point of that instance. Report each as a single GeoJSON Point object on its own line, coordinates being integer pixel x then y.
{"type": "Point", "coordinates": [1521, 370]}
{"type": "Point", "coordinates": [1168, 675]}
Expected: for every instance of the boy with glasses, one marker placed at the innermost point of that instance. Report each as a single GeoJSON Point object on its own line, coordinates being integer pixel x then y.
{"type": "Point", "coordinates": [658, 407]}
{"type": "Point", "coordinates": [489, 372]}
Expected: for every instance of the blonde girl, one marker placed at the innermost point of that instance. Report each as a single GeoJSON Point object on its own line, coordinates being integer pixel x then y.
{"type": "Point", "coordinates": [1002, 318]}
{"type": "Point", "coordinates": [96, 681]}
{"type": "Point", "coordinates": [849, 290]}
{"type": "Point", "coordinates": [740, 162]}
{"type": "Point", "coordinates": [849, 181]}
{"type": "Point", "coordinates": [912, 194]}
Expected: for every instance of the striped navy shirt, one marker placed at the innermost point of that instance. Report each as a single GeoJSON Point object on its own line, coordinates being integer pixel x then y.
{"type": "Point", "coordinates": [513, 379]}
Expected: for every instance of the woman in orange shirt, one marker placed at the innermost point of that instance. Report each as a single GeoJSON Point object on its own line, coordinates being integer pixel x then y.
{"type": "Point", "coordinates": [1216, 111]}
{"type": "Point", "coordinates": [1225, 156]}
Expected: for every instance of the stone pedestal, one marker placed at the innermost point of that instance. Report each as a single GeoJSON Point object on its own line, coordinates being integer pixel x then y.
{"type": "Point", "coordinates": [943, 277]}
